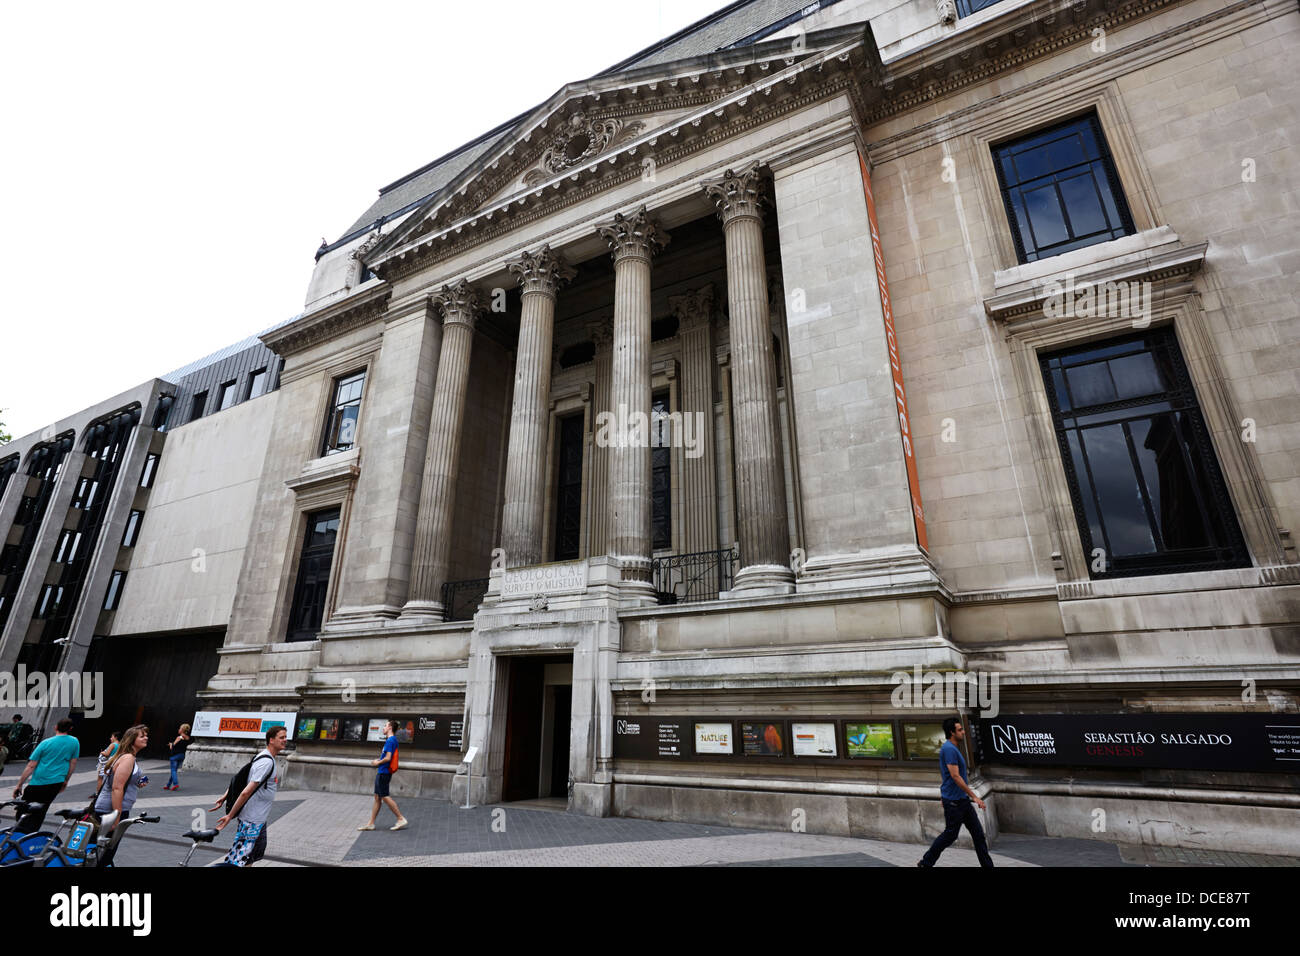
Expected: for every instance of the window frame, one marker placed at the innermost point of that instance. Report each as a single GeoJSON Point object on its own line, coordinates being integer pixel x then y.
{"type": "Point", "coordinates": [1180, 397]}
{"type": "Point", "coordinates": [1176, 304]}
{"type": "Point", "coordinates": [149, 471]}
{"type": "Point", "coordinates": [333, 411]}
{"type": "Point", "coordinates": [1009, 192]}
{"type": "Point", "coordinates": [198, 406]}
{"type": "Point", "coordinates": [226, 390]}
{"type": "Point", "coordinates": [113, 593]}
{"type": "Point", "coordinates": [132, 529]}
{"type": "Point", "coordinates": [252, 381]}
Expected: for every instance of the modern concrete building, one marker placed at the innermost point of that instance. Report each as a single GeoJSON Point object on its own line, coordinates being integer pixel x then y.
{"type": "Point", "coordinates": [636, 447]}
{"type": "Point", "coordinates": [125, 530]}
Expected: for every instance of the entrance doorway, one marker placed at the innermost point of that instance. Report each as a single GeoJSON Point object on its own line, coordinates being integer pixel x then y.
{"type": "Point", "coordinates": [538, 708]}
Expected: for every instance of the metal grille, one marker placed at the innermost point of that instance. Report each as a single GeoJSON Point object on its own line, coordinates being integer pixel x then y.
{"type": "Point", "coordinates": [697, 576]}
{"type": "Point", "coordinates": [460, 599]}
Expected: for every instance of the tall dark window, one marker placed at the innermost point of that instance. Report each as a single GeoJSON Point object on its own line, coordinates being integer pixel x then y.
{"type": "Point", "coordinates": [227, 394]}
{"type": "Point", "coordinates": [308, 609]}
{"type": "Point", "coordinates": [1146, 486]}
{"type": "Point", "coordinates": [966, 7]}
{"type": "Point", "coordinates": [132, 532]}
{"type": "Point", "coordinates": [114, 594]}
{"type": "Point", "coordinates": [568, 490]}
{"type": "Point", "coordinates": [105, 440]}
{"type": "Point", "coordinates": [197, 406]}
{"type": "Point", "coordinates": [44, 463]}
{"type": "Point", "coordinates": [341, 428]}
{"type": "Point", "coordinates": [257, 383]}
{"type": "Point", "coordinates": [7, 468]}
{"type": "Point", "coordinates": [150, 470]}
{"type": "Point", "coordinates": [661, 483]}
{"type": "Point", "coordinates": [1061, 190]}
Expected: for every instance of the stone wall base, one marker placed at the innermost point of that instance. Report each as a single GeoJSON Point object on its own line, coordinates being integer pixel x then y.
{"type": "Point", "coordinates": [898, 819]}
{"type": "Point", "coordinates": [1233, 827]}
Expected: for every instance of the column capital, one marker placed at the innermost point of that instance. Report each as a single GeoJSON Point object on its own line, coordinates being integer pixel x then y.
{"type": "Point", "coordinates": [602, 334]}
{"type": "Point", "coordinates": [693, 309]}
{"type": "Point", "coordinates": [542, 271]}
{"type": "Point", "coordinates": [737, 195]}
{"type": "Point", "coordinates": [458, 303]}
{"type": "Point", "coordinates": [635, 236]}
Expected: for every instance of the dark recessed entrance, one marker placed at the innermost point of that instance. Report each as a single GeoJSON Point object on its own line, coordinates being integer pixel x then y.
{"type": "Point", "coordinates": [539, 703]}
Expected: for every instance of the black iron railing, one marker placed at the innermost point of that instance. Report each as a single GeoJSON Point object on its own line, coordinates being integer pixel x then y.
{"type": "Point", "coordinates": [697, 576]}
{"type": "Point", "coordinates": [460, 599]}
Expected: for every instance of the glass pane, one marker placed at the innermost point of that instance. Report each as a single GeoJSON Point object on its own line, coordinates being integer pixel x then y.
{"type": "Point", "coordinates": [1136, 375]}
{"type": "Point", "coordinates": [1066, 152]}
{"type": "Point", "coordinates": [1034, 164]}
{"type": "Point", "coordinates": [1118, 493]}
{"type": "Point", "coordinates": [1173, 500]}
{"type": "Point", "coordinates": [1218, 527]}
{"type": "Point", "coordinates": [1090, 384]}
{"type": "Point", "coordinates": [348, 426]}
{"type": "Point", "coordinates": [1083, 205]}
{"type": "Point", "coordinates": [1045, 216]}
{"type": "Point", "coordinates": [1085, 492]}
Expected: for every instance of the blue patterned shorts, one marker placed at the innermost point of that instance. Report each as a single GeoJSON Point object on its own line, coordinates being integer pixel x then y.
{"type": "Point", "coordinates": [242, 848]}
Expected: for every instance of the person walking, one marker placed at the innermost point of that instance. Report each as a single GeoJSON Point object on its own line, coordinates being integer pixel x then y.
{"type": "Point", "coordinates": [957, 797]}
{"type": "Point", "coordinates": [177, 758]}
{"type": "Point", "coordinates": [252, 806]}
{"type": "Point", "coordinates": [123, 777]}
{"type": "Point", "coordinates": [105, 755]}
{"type": "Point", "coordinates": [50, 768]}
{"type": "Point", "coordinates": [384, 778]}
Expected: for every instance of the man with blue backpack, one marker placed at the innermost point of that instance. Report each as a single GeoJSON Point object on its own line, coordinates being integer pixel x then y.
{"type": "Point", "coordinates": [385, 766]}
{"type": "Point", "coordinates": [249, 797]}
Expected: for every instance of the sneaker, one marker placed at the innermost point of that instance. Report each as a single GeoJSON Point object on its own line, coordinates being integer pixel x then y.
{"type": "Point", "coordinates": [401, 824]}
{"type": "Point", "coordinates": [368, 826]}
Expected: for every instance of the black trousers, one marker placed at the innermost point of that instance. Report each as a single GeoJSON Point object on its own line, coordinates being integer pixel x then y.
{"type": "Point", "coordinates": [957, 813]}
{"type": "Point", "coordinates": [45, 794]}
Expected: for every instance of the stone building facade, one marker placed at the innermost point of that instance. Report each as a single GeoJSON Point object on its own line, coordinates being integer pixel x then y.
{"type": "Point", "coordinates": [813, 345]}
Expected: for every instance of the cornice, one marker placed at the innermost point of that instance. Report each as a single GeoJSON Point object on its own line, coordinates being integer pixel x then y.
{"type": "Point", "coordinates": [1028, 302]}
{"type": "Point", "coordinates": [1026, 34]}
{"type": "Point", "coordinates": [329, 322]}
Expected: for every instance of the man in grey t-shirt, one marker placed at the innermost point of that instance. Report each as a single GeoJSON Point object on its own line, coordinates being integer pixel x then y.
{"type": "Point", "coordinates": [253, 806]}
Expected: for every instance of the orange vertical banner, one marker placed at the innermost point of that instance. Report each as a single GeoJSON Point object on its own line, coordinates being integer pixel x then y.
{"type": "Point", "coordinates": [900, 394]}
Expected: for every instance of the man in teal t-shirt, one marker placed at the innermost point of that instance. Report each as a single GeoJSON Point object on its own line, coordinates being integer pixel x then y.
{"type": "Point", "coordinates": [50, 768]}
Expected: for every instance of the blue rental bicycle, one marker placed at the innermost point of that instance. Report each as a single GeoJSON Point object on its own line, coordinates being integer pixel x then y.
{"type": "Point", "coordinates": [84, 847]}
{"type": "Point", "coordinates": [17, 847]}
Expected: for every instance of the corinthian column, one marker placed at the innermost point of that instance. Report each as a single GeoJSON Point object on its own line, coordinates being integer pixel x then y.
{"type": "Point", "coordinates": [597, 509]}
{"type": "Point", "coordinates": [760, 482]}
{"type": "Point", "coordinates": [540, 275]}
{"type": "Point", "coordinates": [633, 240]}
{"type": "Point", "coordinates": [459, 306]}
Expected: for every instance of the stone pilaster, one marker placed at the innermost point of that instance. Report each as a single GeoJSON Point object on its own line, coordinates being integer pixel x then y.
{"type": "Point", "coordinates": [633, 241]}
{"type": "Point", "coordinates": [598, 495]}
{"type": "Point", "coordinates": [760, 482]}
{"type": "Point", "coordinates": [459, 305]}
{"type": "Point", "coordinates": [699, 494]}
{"type": "Point", "coordinates": [540, 276]}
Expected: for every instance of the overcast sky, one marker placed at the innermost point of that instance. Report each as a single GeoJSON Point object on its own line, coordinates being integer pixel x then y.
{"type": "Point", "coordinates": [169, 169]}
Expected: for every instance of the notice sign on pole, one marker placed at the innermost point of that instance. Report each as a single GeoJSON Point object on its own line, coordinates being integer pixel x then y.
{"type": "Point", "coordinates": [1245, 742]}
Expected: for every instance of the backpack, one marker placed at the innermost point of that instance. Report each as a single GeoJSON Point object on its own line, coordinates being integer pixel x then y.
{"type": "Point", "coordinates": [240, 780]}
{"type": "Point", "coordinates": [392, 762]}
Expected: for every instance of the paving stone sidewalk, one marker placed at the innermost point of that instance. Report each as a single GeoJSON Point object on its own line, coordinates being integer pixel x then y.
{"type": "Point", "coordinates": [309, 828]}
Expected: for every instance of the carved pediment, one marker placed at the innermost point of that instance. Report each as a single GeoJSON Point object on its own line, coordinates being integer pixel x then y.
{"type": "Point", "coordinates": [604, 131]}
{"type": "Point", "coordinates": [579, 140]}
